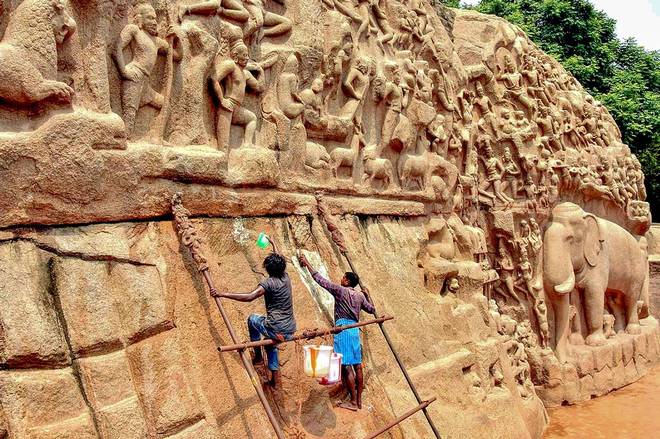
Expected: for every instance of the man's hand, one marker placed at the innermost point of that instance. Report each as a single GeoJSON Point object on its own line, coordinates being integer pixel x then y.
{"type": "Point", "coordinates": [215, 293]}
{"type": "Point", "coordinates": [227, 104]}
{"type": "Point", "coordinates": [303, 261]}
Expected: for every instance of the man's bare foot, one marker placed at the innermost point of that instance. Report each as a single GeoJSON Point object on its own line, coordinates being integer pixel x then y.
{"type": "Point", "coordinates": [349, 406]}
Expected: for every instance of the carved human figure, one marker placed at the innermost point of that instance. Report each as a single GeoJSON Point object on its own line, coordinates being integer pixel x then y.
{"type": "Point", "coordinates": [485, 107]}
{"type": "Point", "coordinates": [145, 46]}
{"type": "Point", "coordinates": [546, 124]}
{"type": "Point", "coordinates": [596, 257]}
{"type": "Point", "coordinates": [513, 83]}
{"type": "Point", "coordinates": [355, 86]}
{"type": "Point", "coordinates": [382, 22]}
{"type": "Point", "coordinates": [230, 79]}
{"type": "Point", "coordinates": [392, 94]}
{"type": "Point", "coordinates": [506, 270]}
{"type": "Point", "coordinates": [231, 9]}
{"type": "Point", "coordinates": [263, 23]}
{"type": "Point", "coordinates": [287, 89]}
{"type": "Point", "coordinates": [531, 73]}
{"type": "Point", "coordinates": [29, 53]}
{"type": "Point", "coordinates": [494, 170]}
{"type": "Point", "coordinates": [511, 173]}
{"type": "Point", "coordinates": [542, 318]}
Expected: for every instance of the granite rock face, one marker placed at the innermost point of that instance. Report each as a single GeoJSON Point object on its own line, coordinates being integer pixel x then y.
{"type": "Point", "coordinates": [485, 198]}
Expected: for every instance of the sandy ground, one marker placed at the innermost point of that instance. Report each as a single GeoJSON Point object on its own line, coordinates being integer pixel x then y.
{"type": "Point", "coordinates": [629, 413]}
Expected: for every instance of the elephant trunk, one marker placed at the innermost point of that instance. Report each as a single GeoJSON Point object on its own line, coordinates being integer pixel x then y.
{"type": "Point", "coordinates": [557, 263]}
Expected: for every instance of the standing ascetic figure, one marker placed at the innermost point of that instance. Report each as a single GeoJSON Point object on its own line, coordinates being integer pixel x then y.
{"type": "Point", "coordinates": [145, 45]}
{"type": "Point", "coordinates": [230, 79]}
{"type": "Point", "coordinates": [596, 257]}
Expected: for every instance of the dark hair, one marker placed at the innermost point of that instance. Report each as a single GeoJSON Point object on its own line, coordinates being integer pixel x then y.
{"type": "Point", "coordinates": [352, 278]}
{"type": "Point", "coordinates": [275, 265]}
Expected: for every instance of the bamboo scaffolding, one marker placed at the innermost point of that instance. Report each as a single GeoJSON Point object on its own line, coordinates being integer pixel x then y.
{"type": "Point", "coordinates": [304, 336]}
{"type": "Point", "coordinates": [401, 418]}
{"type": "Point", "coordinates": [338, 239]}
{"type": "Point", "coordinates": [190, 239]}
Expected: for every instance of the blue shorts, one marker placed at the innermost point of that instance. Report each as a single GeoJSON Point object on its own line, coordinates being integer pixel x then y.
{"type": "Point", "coordinates": [348, 343]}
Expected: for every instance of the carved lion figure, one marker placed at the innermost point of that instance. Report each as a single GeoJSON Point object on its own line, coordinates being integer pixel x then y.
{"type": "Point", "coordinates": [28, 52]}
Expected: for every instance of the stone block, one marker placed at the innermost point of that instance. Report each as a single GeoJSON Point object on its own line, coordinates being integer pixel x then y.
{"type": "Point", "coordinates": [43, 401]}
{"type": "Point", "coordinates": [201, 430]}
{"type": "Point", "coordinates": [639, 345]}
{"type": "Point", "coordinates": [631, 372]}
{"type": "Point", "coordinates": [123, 420]}
{"type": "Point", "coordinates": [91, 317]}
{"type": "Point", "coordinates": [603, 381]}
{"type": "Point", "coordinates": [617, 353]}
{"type": "Point", "coordinates": [140, 299]}
{"type": "Point", "coordinates": [30, 334]}
{"type": "Point", "coordinates": [627, 348]}
{"type": "Point", "coordinates": [551, 396]}
{"type": "Point", "coordinates": [81, 427]}
{"type": "Point", "coordinates": [602, 356]}
{"type": "Point", "coordinates": [642, 365]}
{"type": "Point", "coordinates": [253, 167]}
{"type": "Point", "coordinates": [587, 387]}
{"type": "Point", "coordinates": [619, 375]}
{"type": "Point", "coordinates": [162, 383]}
{"type": "Point", "coordinates": [584, 361]}
{"type": "Point", "coordinates": [107, 379]}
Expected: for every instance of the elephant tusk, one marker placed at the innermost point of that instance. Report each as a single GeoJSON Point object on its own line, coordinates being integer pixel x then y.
{"type": "Point", "coordinates": [567, 286]}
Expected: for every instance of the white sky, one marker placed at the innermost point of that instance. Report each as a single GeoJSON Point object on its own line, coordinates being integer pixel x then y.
{"type": "Point", "coordinates": [639, 19]}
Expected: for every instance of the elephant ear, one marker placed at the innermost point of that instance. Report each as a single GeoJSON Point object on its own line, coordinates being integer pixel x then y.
{"type": "Point", "coordinates": [593, 241]}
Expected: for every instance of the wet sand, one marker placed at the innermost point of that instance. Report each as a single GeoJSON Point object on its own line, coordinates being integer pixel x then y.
{"type": "Point", "coordinates": [629, 413]}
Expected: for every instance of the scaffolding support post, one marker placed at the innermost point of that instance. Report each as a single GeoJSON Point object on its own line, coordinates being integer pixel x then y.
{"type": "Point", "coordinates": [190, 239]}
{"type": "Point", "coordinates": [338, 239]}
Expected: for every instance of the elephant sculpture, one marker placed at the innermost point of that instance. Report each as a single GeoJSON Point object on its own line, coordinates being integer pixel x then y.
{"type": "Point", "coordinates": [597, 259]}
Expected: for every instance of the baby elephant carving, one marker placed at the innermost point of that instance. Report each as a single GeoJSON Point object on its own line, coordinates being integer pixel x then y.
{"type": "Point", "coordinates": [28, 53]}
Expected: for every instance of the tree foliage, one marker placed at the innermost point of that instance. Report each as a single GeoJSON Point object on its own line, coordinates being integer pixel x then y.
{"type": "Point", "coordinates": [620, 73]}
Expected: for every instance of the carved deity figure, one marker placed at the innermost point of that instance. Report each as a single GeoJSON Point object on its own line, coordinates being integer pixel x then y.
{"type": "Point", "coordinates": [511, 173]}
{"type": "Point", "coordinates": [392, 94]}
{"type": "Point", "coordinates": [230, 79]}
{"type": "Point", "coordinates": [486, 110]}
{"type": "Point", "coordinates": [494, 170]}
{"type": "Point", "coordinates": [506, 270]}
{"type": "Point", "coordinates": [513, 83]}
{"type": "Point", "coordinates": [355, 86]}
{"type": "Point", "coordinates": [145, 46]}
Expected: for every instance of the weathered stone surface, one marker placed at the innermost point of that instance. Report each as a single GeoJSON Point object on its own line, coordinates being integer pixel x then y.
{"type": "Point", "coordinates": [30, 334]}
{"type": "Point", "coordinates": [451, 153]}
{"type": "Point", "coordinates": [45, 404]}
{"type": "Point", "coordinates": [91, 317]}
{"type": "Point", "coordinates": [162, 384]}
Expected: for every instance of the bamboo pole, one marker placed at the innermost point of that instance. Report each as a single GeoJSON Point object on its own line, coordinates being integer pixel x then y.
{"type": "Point", "coordinates": [304, 336]}
{"type": "Point", "coordinates": [190, 239]}
{"type": "Point", "coordinates": [401, 418]}
{"type": "Point", "coordinates": [338, 239]}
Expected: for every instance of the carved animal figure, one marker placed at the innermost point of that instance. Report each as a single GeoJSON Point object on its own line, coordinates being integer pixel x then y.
{"type": "Point", "coordinates": [28, 52]}
{"type": "Point", "coordinates": [596, 257]}
{"type": "Point", "coordinates": [316, 156]}
{"type": "Point", "coordinates": [376, 168]}
{"type": "Point", "coordinates": [414, 168]}
{"type": "Point", "coordinates": [344, 157]}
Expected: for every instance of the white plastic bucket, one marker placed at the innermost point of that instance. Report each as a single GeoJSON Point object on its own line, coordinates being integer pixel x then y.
{"type": "Point", "coordinates": [334, 373]}
{"type": "Point", "coordinates": [317, 360]}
